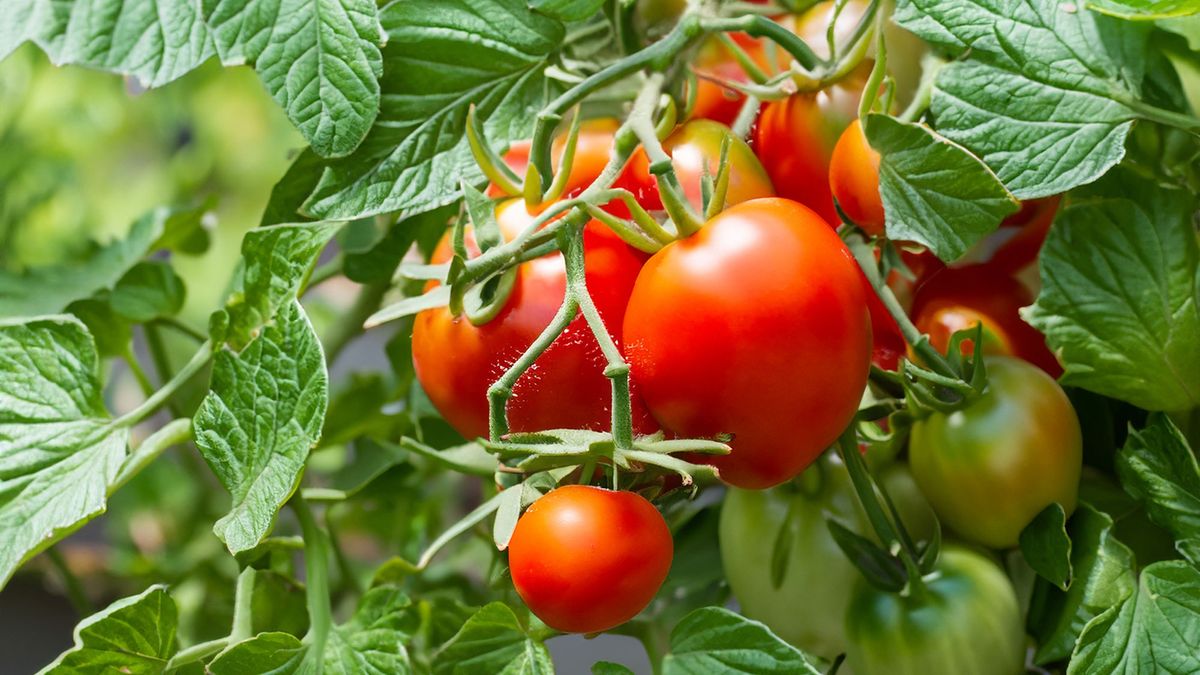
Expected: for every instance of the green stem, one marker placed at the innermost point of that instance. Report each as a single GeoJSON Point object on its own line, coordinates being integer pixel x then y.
{"type": "Point", "coordinates": [931, 65]}
{"type": "Point", "coordinates": [75, 593]}
{"type": "Point", "coordinates": [138, 372]}
{"type": "Point", "coordinates": [669, 191]}
{"type": "Point", "coordinates": [172, 434]}
{"type": "Point", "coordinates": [878, 72]}
{"type": "Point", "coordinates": [197, 652]}
{"type": "Point", "coordinates": [349, 578]}
{"type": "Point", "coordinates": [181, 327]}
{"type": "Point", "coordinates": [350, 326]}
{"type": "Point", "coordinates": [316, 565]}
{"type": "Point", "coordinates": [162, 362]}
{"type": "Point", "coordinates": [326, 271]}
{"type": "Point", "coordinates": [761, 26]}
{"type": "Point", "coordinates": [199, 360]}
{"type": "Point", "coordinates": [243, 619]}
{"type": "Point", "coordinates": [1183, 121]}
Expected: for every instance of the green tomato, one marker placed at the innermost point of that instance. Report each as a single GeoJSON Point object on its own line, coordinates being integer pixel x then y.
{"type": "Point", "coordinates": [966, 622]}
{"type": "Point", "coordinates": [818, 580]}
{"type": "Point", "coordinates": [989, 468]}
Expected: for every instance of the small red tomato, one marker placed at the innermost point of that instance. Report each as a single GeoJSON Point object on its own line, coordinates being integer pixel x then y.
{"type": "Point", "coordinates": [456, 361]}
{"type": "Point", "coordinates": [795, 138]}
{"type": "Point", "coordinates": [754, 326]}
{"type": "Point", "coordinates": [695, 147]}
{"type": "Point", "coordinates": [585, 559]}
{"type": "Point", "coordinates": [592, 149]}
{"type": "Point", "coordinates": [957, 298]}
{"type": "Point", "coordinates": [854, 180]}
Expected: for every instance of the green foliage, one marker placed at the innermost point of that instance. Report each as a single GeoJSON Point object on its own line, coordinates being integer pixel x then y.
{"type": "Point", "coordinates": [493, 641]}
{"type": "Point", "coordinates": [134, 635]}
{"type": "Point", "coordinates": [714, 639]}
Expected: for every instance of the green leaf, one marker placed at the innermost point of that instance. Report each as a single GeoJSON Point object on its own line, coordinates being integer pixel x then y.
{"type": "Point", "coordinates": [58, 449]}
{"type": "Point", "coordinates": [934, 192]}
{"type": "Point", "coordinates": [319, 59]}
{"type": "Point", "coordinates": [1046, 546]}
{"type": "Point", "coordinates": [372, 459]}
{"type": "Point", "coordinates": [1102, 577]}
{"type": "Point", "coordinates": [278, 603]}
{"type": "Point", "coordinates": [133, 635]}
{"type": "Point", "coordinates": [154, 42]}
{"type": "Point", "coordinates": [1146, 9]}
{"type": "Point", "coordinates": [1048, 95]}
{"type": "Point", "coordinates": [259, 421]}
{"type": "Point", "coordinates": [610, 668]}
{"type": "Point", "coordinates": [567, 10]}
{"type": "Point", "coordinates": [277, 653]}
{"type": "Point", "coordinates": [277, 259]}
{"type": "Point", "coordinates": [46, 290]}
{"type": "Point", "coordinates": [149, 290]}
{"type": "Point", "coordinates": [412, 161]}
{"type": "Point", "coordinates": [112, 333]}
{"type": "Point", "coordinates": [493, 641]}
{"type": "Point", "coordinates": [715, 640]}
{"type": "Point", "coordinates": [289, 193]}
{"type": "Point", "coordinates": [1120, 299]}
{"type": "Point", "coordinates": [1156, 630]}
{"type": "Point", "coordinates": [380, 262]}
{"type": "Point", "coordinates": [1158, 469]}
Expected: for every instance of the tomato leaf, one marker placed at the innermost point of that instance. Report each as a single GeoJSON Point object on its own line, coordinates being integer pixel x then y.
{"type": "Point", "coordinates": [1145, 9]}
{"type": "Point", "coordinates": [262, 416]}
{"type": "Point", "coordinates": [113, 334]}
{"type": "Point", "coordinates": [567, 10]}
{"type": "Point", "coordinates": [1120, 299]}
{"type": "Point", "coordinates": [132, 635]}
{"type": "Point", "coordinates": [438, 296]}
{"type": "Point", "coordinates": [149, 290]}
{"type": "Point", "coordinates": [934, 192]}
{"type": "Point", "coordinates": [319, 59]}
{"type": "Point", "coordinates": [880, 568]}
{"type": "Point", "coordinates": [1102, 577]}
{"type": "Point", "coordinates": [1158, 469]}
{"type": "Point", "coordinates": [118, 36]}
{"type": "Point", "coordinates": [59, 452]}
{"type": "Point", "coordinates": [716, 640]}
{"type": "Point", "coordinates": [610, 668]}
{"type": "Point", "coordinates": [1046, 546]}
{"type": "Point", "coordinates": [46, 290]}
{"type": "Point", "coordinates": [289, 193]}
{"type": "Point", "coordinates": [507, 514]}
{"type": "Point", "coordinates": [1156, 629]}
{"type": "Point", "coordinates": [490, 53]}
{"type": "Point", "coordinates": [493, 641]}
{"type": "Point", "coordinates": [1048, 95]}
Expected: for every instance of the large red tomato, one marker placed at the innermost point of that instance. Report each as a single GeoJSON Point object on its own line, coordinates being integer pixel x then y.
{"type": "Point", "coordinates": [754, 326]}
{"type": "Point", "coordinates": [585, 559]}
{"type": "Point", "coordinates": [795, 138]}
{"type": "Point", "coordinates": [957, 298]}
{"type": "Point", "coordinates": [695, 147]}
{"type": "Point", "coordinates": [592, 149]}
{"type": "Point", "coordinates": [456, 361]}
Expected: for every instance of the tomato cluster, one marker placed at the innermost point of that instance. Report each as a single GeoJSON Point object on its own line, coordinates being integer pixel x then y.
{"type": "Point", "coordinates": [760, 329]}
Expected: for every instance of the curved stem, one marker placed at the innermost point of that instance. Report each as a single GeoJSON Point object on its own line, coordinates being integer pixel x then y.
{"type": "Point", "coordinates": [175, 432]}
{"type": "Point", "coordinates": [316, 565]}
{"type": "Point", "coordinates": [669, 191]}
{"type": "Point", "coordinates": [1169, 118]}
{"type": "Point", "coordinates": [197, 652]}
{"type": "Point", "coordinates": [878, 72]}
{"type": "Point", "coordinates": [199, 360]}
{"type": "Point", "coordinates": [761, 26]}
{"type": "Point", "coordinates": [243, 619]}
{"type": "Point", "coordinates": [75, 593]}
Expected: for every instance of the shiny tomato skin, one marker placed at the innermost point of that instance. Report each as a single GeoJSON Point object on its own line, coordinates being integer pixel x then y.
{"type": "Point", "coordinates": [456, 361]}
{"type": "Point", "coordinates": [956, 298]}
{"type": "Point", "coordinates": [795, 138]}
{"type": "Point", "coordinates": [693, 147]}
{"type": "Point", "coordinates": [968, 622]}
{"type": "Point", "coordinates": [592, 149]}
{"type": "Point", "coordinates": [755, 326]}
{"type": "Point", "coordinates": [989, 468]}
{"type": "Point", "coordinates": [854, 180]}
{"type": "Point", "coordinates": [585, 559]}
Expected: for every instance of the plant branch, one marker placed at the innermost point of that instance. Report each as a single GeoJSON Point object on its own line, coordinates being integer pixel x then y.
{"type": "Point", "coordinates": [172, 434]}
{"type": "Point", "coordinates": [243, 623]}
{"type": "Point", "coordinates": [316, 565]}
{"type": "Point", "coordinates": [199, 360]}
{"type": "Point", "coordinates": [75, 593]}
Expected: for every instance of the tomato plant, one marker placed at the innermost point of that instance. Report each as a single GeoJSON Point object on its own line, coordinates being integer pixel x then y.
{"type": "Point", "coordinates": [586, 559]}
{"type": "Point", "coordinates": [989, 468]}
{"type": "Point", "coordinates": [765, 296]}
{"type": "Point", "coordinates": [438, 331]}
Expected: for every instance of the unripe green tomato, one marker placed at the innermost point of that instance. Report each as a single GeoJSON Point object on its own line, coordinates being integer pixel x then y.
{"type": "Point", "coordinates": [806, 610]}
{"type": "Point", "coordinates": [967, 623]}
{"type": "Point", "coordinates": [989, 468]}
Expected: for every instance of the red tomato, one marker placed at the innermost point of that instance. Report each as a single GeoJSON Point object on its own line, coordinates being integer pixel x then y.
{"type": "Point", "coordinates": [585, 559]}
{"type": "Point", "coordinates": [592, 149]}
{"type": "Point", "coordinates": [1019, 239]}
{"type": "Point", "coordinates": [714, 63]}
{"type": "Point", "coordinates": [958, 298]}
{"type": "Point", "coordinates": [755, 326]}
{"type": "Point", "coordinates": [795, 138]}
{"type": "Point", "coordinates": [854, 180]}
{"type": "Point", "coordinates": [457, 361]}
{"type": "Point", "coordinates": [694, 146]}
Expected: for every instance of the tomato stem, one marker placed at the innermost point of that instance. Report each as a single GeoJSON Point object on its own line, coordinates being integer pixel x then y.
{"type": "Point", "coordinates": [243, 624]}
{"type": "Point", "coordinates": [316, 567]}
{"type": "Point", "coordinates": [641, 122]}
{"type": "Point", "coordinates": [164, 393]}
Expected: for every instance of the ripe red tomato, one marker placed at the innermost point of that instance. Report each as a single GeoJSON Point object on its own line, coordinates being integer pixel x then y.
{"type": "Point", "coordinates": [854, 180]}
{"type": "Point", "coordinates": [989, 468]}
{"type": "Point", "coordinates": [755, 326]}
{"type": "Point", "coordinates": [795, 138]}
{"type": "Point", "coordinates": [693, 147]}
{"type": "Point", "coordinates": [457, 361]}
{"type": "Point", "coordinates": [592, 149]}
{"type": "Point", "coordinates": [585, 559]}
{"type": "Point", "coordinates": [956, 298]}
